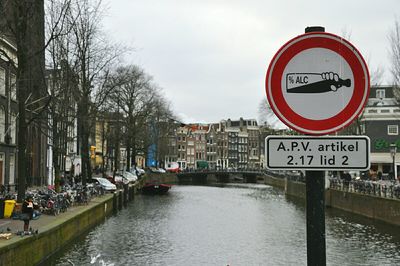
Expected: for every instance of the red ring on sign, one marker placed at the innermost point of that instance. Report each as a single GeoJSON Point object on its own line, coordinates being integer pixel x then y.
{"type": "Point", "coordinates": [308, 41]}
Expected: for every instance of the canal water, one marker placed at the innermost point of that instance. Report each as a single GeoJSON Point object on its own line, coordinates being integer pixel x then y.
{"type": "Point", "coordinates": [231, 225]}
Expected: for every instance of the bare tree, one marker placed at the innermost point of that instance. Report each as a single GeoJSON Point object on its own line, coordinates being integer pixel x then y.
{"type": "Point", "coordinates": [137, 99]}
{"type": "Point", "coordinates": [138, 95]}
{"type": "Point", "coordinates": [161, 117]}
{"type": "Point", "coordinates": [346, 33]}
{"type": "Point", "coordinates": [376, 76]}
{"type": "Point", "coordinates": [265, 114]}
{"type": "Point", "coordinates": [62, 86]}
{"type": "Point", "coordinates": [394, 52]}
{"type": "Point", "coordinates": [93, 56]}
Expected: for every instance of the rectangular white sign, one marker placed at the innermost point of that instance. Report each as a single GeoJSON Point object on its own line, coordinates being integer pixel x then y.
{"type": "Point", "coordinates": [317, 153]}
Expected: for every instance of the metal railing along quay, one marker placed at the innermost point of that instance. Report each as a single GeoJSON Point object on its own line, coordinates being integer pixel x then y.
{"type": "Point", "coordinates": [380, 188]}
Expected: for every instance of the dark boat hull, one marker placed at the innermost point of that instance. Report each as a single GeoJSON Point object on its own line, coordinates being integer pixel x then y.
{"type": "Point", "coordinates": [155, 189]}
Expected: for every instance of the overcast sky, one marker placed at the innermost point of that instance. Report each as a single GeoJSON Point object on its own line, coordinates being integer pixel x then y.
{"type": "Point", "coordinates": [210, 56]}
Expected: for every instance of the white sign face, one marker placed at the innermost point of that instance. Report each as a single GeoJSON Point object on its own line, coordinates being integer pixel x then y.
{"type": "Point", "coordinates": [317, 153]}
{"type": "Point", "coordinates": [302, 81]}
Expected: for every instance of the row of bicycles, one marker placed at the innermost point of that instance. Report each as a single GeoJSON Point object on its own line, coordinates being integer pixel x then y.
{"type": "Point", "coordinates": [47, 201]}
{"type": "Point", "coordinates": [381, 188]}
{"type": "Point", "coordinates": [53, 203]}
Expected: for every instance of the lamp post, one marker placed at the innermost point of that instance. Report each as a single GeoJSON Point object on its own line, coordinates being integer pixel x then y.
{"type": "Point", "coordinates": [393, 150]}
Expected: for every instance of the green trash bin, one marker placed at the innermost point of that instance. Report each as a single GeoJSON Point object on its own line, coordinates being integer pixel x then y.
{"type": "Point", "coordinates": [8, 208]}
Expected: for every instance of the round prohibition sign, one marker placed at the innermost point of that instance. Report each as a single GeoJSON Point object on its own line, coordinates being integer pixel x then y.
{"type": "Point", "coordinates": [317, 83]}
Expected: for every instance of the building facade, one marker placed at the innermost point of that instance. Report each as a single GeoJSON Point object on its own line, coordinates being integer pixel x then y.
{"type": "Point", "coordinates": [181, 143]}
{"type": "Point", "coordinates": [229, 144]}
{"type": "Point", "coordinates": [381, 122]}
{"type": "Point", "coordinates": [8, 113]}
{"type": "Point", "coordinates": [212, 146]}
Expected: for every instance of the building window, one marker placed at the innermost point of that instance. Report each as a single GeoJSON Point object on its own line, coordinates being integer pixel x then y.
{"type": "Point", "coordinates": [380, 94]}
{"type": "Point", "coordinates": [2, 124]}
{"type": "Point", "coordinates": [362, 129]}
{"type": "Point", "coordinates": [393, 130]}
{"type": "Point", "coordinates": [2, 81]}
{"type": "Point", "coordinates": [13, 126]}
{"type": "Point", "coordinates": [12, 168]}
{"type": "Point", "coordinates": [13, 87]}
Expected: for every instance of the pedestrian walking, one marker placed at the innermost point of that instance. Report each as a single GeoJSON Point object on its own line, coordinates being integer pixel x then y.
{"type": "Point", "coordinates": [27, 212]}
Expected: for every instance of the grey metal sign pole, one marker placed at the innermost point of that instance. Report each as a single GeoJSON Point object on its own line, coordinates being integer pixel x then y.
{"type": "Point", "coordinates": [315, 208]}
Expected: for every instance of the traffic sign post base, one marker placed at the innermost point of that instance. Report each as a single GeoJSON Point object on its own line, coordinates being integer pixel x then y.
{"type": "Point", "coordinates": [315, 211]}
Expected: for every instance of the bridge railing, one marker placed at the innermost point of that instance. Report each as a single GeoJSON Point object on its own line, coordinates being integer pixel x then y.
{"type": "Point", "coordinates": [246, 170]}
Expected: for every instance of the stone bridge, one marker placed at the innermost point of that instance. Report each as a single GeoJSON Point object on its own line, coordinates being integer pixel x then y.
{"type": "Point", "coordinates": [220, 176]}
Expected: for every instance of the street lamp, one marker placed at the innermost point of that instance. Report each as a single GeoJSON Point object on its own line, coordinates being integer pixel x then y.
{"type": "Point", "coordinates": [393, 150]}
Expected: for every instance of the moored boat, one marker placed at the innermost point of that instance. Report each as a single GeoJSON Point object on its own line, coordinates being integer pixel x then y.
{"type": "Point", "coordinates": [155, 188]}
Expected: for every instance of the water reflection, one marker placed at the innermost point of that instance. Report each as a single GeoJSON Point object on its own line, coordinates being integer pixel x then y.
{"type": "Point", "coordinates": [235, 225]}
{"type": "Point", "coordinates": [362, 240]}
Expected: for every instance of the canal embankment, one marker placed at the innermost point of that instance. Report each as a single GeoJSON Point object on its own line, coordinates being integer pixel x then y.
{"type": "Point", "coordinates": [54, 232]}
{"type": "Point", "coordinates": [232, 224]}
{"type": "Point", "coordinates": [374, 207]}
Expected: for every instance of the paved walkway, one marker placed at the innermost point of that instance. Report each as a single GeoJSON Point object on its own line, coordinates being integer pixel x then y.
{"type": "Point", "coordinates": [45, 222]}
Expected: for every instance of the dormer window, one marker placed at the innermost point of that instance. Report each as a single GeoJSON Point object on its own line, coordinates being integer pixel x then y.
{"type": "Point", "coordinates": [380, 94]}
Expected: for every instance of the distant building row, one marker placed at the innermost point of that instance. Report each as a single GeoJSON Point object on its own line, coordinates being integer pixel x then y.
{"type": "Point", "coordinates": [229, 144]}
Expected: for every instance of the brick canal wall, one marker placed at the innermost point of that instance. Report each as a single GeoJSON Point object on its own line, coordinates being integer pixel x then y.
{"type": "Point", "coordinates": [31, 250]}
{"type": "Point", "coordinates": [382, 209]}
{"type": "Point", "coordinates": [295, 189]}
{"type": "Point", "coordinates": [275, 182]}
